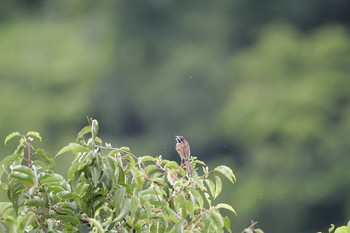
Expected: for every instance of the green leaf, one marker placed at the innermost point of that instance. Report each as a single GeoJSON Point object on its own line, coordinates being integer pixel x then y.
{"type": "Point", "coordinates": [197, 197]}
{"type": "Point", "coordinates": [34, 134]}
{"type": "Point", "coordinates": [24, 169]}
{"type": "Point", "coordinates": [51, 179]}
{"type": "Point", "coordinates": [331, 228]}
{"type": "Point", "coordinates": [227, 224]}
{"type": "Point", "coordinates": [211, 186]}
{"type": "Point", "coordinates": [66, 195]}
{"type": "Point", "coordinates": [81, 188]}
{"type": "Point", "coordinates": [48, 158]}
{"type": "Point", "coordinates": [217, 219]}
{"type": "Point", "coordinates": [35, 201]}
{"type": "Point", "coordinates": [95, 225]}
{"type": "Point", "coordinates": [6, 208]}
{"type": "Point", "coordinates": [150, 168]}
{"type": "Point", "coordinates": [342, 229]}
{"type": "Point", "coordinates": [11, 135]}
{"type": "Point", "coordinates": [11, 224]}
{"type": "Point", "coordinates": [218, 186]}
{"type": "Point", "coordinates": [133, 205]}
{"type": "Point", "coordinates": [179, 227]}
{"type": "Point", "coordinates": [226, 171]}
{"type": "Point", "coordinates": [8, 160]}
{"type": "Point", "coordinates": [146, 158]}
{"type": "Point", "coordinates": [69, 218]}
{"type": "Point", "coordinates": [25, 220]}
{"type": "Point", "coordinates": [199, 183]}
{"type": "Point", "coordinates": [171, 165]}
{"type": "Point", "coordinates": [83, 131]}
{"type": "Point", "coordinates": [206, 221]}
{"type": "Point", "coordinates": [258, 230]}
{"type": "Point", "coordinates": [225, 206]}
{"type": "Point", "coordinates": [26, 179]}
{"type": "Point", "coordinates": [73, 148]}
{"type": "Point", "coordinates": [125, 207]}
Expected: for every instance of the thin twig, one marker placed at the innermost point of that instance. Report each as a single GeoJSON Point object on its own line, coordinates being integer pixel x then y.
{"type": "Point", "coordinates": [250, 228]}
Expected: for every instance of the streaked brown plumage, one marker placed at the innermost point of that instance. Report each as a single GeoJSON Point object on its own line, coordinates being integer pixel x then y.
{"type": "Point", "coordinates": [184, 150]}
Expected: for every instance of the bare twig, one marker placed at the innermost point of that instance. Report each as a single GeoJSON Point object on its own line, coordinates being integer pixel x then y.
{"type": "Point", "coordinates": [250, 229]}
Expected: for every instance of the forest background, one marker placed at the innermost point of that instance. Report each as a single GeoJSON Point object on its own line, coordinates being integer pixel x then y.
{"type": "Point", "coordinates": [260, 86]}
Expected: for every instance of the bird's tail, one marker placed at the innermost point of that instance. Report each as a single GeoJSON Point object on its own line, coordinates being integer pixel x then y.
{"type": "Point", "coordinates": [188, 166]}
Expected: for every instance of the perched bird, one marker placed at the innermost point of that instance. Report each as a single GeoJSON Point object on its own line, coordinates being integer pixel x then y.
{"type": "Point", "coordinates": [183, 149]}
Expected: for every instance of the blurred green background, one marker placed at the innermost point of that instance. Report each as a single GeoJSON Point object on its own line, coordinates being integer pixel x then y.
{"type": "Point", "coordinates": [260, 86]}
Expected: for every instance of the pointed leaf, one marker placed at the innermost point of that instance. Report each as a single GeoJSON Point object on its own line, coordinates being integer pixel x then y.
{"type": "Point", "coordinates": [34, 134]}
{"type": "Point", "coordinates": [83, 131]}
{"type": "Point", "coordinates": [25, 220]}
{"type": "Point", "coordinates": [74, 148]}
{"type": "Point", "coordinates": [226, 171]}
{"type": "Point", "coordinates": [11, 135]}
{"type": "Point", "coordinates": [227, 224]}
{"type": "Point", "coordinates": [225, 206]}
{"type": "Point", "coordinates": [179, 227]}
{"type": "Point", "coordinates": [211, 186]}
{"type": "Point", "coordinates": [218, 186]}
{"type": "Point", "coordinates": [48, 158]}
{"type": "Point", "coordinates": [217, 219]}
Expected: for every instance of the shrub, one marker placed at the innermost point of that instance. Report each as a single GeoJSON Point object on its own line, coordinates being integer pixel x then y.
{"type": "Point", "coordinates": [107, 189]}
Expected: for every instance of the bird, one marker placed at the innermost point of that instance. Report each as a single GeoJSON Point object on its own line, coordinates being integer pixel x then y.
{"type": "Point", "coordinates": [183, 149]}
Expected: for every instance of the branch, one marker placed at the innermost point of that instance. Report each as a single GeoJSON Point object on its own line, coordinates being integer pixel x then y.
{"type": "Point", "coordinates": [250, 229]}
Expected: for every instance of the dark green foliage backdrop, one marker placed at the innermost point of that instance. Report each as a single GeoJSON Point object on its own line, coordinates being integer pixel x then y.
{"type": "Point", "coordinates": [260, 86]}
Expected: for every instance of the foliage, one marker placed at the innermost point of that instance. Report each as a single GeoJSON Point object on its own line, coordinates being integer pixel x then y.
{"type": "Point", "coordinates": [289, 113]}
{"type": "Point", "coordinates": [108, 189]}
{"type": "Point", "coordinates": [341, 229]}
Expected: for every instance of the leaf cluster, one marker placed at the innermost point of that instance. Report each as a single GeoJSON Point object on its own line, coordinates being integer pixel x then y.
{"type": "Point", "coordinates": [108, 190]}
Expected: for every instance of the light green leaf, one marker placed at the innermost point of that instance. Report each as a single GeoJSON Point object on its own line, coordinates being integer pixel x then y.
{"type": "Point", "coordinates": [125, 207]}
{"type": "Point", "coordinates": [48, 158]}
{"type": "Point", "coordinates": [179, 227]}
{"type": "Point", "coordinates": [211, 186]}
{"type": "Point", "coordinates": [218, 186]}
{"type": "Point", "coordinates": [25, 178]}
{"type": "Point", "coordinates": [6, 208]}
{"type": "Point", "coordinates": [146, 158]}
{"type": "Point", "coordinates": [68, 218]}
{"type": "Point", "coordinates": [227, 224]}
{"type": "Point", "coordinates": [225, 206]}
{"type": "Point", "coordinates": [226, 171]}
{"type": "Point", "coordinates": [35, 201]}
{"type": "Point", "coordinates": [8, 160]}
{"type": "Point", "coordinates": [150, 168]}
{"type": "Point", "coordinates": [171, 165]}
{"type": "Point", "coordinates": [74, 148]}
{"type": "Point", "coordinates": [342, 229]}
{"type": "Point", "coordinates": [51, 179]}
{"type": "Point", "coordinates": [258, 230]}
{"type": "Point", "coordinates": [11, 224]}
{"type": "Point", "coordinates": [94, 128]}
{"type": "Point", "coordinates": [24, 169]}
{"type": "Point", "coordinates": [83, 131]}
{"type": "Point", "coordinates": [66, 195]}
{"type": "Point", "coordinates": [11, 135]}
{"type": "Point", "coordinates": [206, 220]}
{"type": "Point", "coordinates": [133, 205]}
{"type": "Point", "coordinates": [25, 220]}
{"type": "Point", "coordinates": [199, 183]}
{"type": "Point", "coordinates": [197, 198]}
{"type": "Point", "coordinates": [34, 134]}
{"type": "Point", "coordinates": [331, 228]}
{"type": "Point", "coordinates": [81, 188]}
{"type": "Point", "coordinates": [217, 219]}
